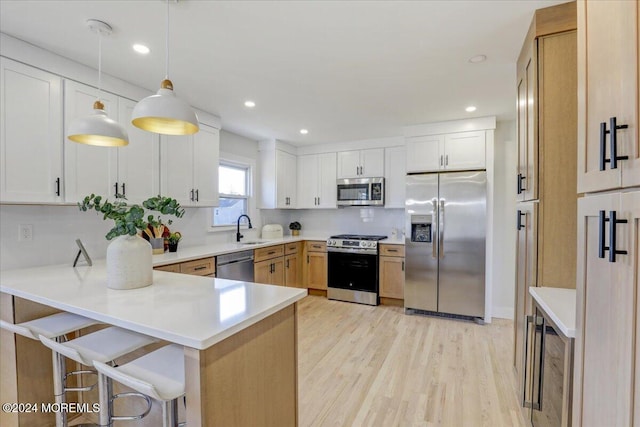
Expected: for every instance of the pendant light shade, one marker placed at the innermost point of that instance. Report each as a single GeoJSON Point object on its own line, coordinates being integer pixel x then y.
{"type": "Point", "coordinates": [98, 128]}
{"type": "Point", "coordinates": [165, 113]}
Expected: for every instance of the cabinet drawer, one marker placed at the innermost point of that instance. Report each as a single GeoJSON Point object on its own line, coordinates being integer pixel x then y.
{"type": "Point", "coordinates": [291, 248]}
{"type": "Point", "coordinates": [171, 268]}
{"type": "Point", "coordinates": [199, 267]}
{"type": "Point", "coordinates": [268, 252]}
{"type": "Point", "coordinates": [316, 246]}
{"type": "Point", "coordinates": [392, 250]}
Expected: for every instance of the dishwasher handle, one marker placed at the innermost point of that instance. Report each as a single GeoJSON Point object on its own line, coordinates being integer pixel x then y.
{"type": "Point", "coordinates": [234, 258]}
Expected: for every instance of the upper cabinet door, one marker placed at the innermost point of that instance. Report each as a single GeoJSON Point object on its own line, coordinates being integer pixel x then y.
{"type": "Point", "coordinates": [327, 187]}
{"type": "Point", "coordinates": [138, 162]}
{"type": "Point", "coordinates": [176, 178]}
{"type": "Point", "coordinates": [424, 153]}
{"type": "Point", "coordinates": [88, 169]}
{"type": "Point", "coordinates": [349, 164]}
{"type": "Point", "coordinates": [206, 158]}
{"type": "Point", "coordinates": [308, 176]}
{"type": "Point", "coordinates": [372, 162]}
{"type": "Point", "coordinates": [607, 91]}
{"type": "Point", "coordinates": [395, 177]}
{"type": "Point", "coordinates": [286, 168]}
{"type": "Point", "coordinates": [464, 151]}
{"type": "Point", "coordinates": [30, 134]}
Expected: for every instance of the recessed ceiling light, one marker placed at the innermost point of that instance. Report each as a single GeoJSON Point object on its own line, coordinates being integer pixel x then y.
{"type": "Point", "coordinates": [249, 104]}
{"type": "Point", "coordinates": [140, 48]}
{"type": "Point", "coordinates": [478, 58]}
{"type": "Point", "coordinates": [470, 109]}
{"type": "Point", "coordinates": [304, 131]}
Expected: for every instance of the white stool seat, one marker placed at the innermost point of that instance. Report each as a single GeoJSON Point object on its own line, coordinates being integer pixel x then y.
{"type": "Point", "coordinates": [50, 326]}
{"type": "Point", "coordinates": [159, 374]}
{"type": "Point", "coordinates": [103, 346]}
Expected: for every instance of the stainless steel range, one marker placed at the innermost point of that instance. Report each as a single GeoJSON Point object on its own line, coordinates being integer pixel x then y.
{"type": "Point", "coordinates": [353, 268]}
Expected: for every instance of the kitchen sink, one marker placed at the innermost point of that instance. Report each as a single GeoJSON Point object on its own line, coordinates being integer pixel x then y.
{"type": "Point", "coordinates": [253, 242]}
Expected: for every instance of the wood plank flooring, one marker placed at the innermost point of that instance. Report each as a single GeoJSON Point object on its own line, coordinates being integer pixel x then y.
{"type": "Point", "coordinates": [375, 366]}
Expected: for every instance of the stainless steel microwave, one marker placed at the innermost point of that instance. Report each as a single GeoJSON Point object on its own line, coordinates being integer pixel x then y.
{"type": "Point", "coordinates": [361, 192]}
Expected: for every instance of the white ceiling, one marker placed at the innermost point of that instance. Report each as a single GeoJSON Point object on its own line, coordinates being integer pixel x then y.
{"type": "Point", "coordinates": [345, 70]}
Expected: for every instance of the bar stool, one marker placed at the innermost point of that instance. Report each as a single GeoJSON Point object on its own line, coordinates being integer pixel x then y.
{"type": "Point", "coordinates": [55, 326]}
{"type": "Point", "coordinates": [159, 374]}
{"type": "Point", "coordinates": [104, 346]}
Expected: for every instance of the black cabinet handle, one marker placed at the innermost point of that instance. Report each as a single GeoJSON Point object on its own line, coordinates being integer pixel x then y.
{"type": "Point", "coordinates": [519, 224]}
{"type": "Point", "coordinates": [197, 195]}
{"type": "Point", "coordinates": [613, 222]}
{"type": "Point", "coordinates": [124, 191]}
{"type": "Point", "coordinates": [402, 265]}
{"type": "Point", "coordinates": [58, 186]}
{"type": "Point", "coordinates": [614, 142]}
{"type": "Point", "coordinates": [520, 187]}
{"type": "Point", "coordinates": [287, 264]}
{"type": "Point", "coordinates": [115, 186]}
{"type": "Point", "coordinates": [191, 197]}
{"type": "Point", "coordinates": [202, 267]}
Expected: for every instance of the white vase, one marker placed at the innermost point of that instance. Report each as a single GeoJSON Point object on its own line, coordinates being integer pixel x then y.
{"type": "Point", "coordinates": [129, 264]}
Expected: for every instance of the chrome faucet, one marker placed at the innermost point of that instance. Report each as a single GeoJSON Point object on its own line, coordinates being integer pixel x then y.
{"type": "Point", "coordinates": [238, 235]}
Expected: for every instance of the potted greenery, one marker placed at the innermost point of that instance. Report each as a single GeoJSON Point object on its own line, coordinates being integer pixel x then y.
{"type": "Point", "coordinates": [173, 240]}
{"type": "Point", "coordinates": [129, 262]}
{"type": "Point", "coordinates": [295, 228]}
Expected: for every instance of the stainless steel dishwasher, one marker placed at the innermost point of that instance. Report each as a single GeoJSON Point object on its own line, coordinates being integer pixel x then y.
{"type": "Point", "coordinates": [235, 266]}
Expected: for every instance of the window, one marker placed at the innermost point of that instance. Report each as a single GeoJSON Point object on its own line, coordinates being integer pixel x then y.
{"type": "Point", "coordinates": [234, 193]}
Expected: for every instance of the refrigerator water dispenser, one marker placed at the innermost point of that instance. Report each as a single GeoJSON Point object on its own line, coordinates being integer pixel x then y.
{"type": "Point", "coordinates": [421, 228]}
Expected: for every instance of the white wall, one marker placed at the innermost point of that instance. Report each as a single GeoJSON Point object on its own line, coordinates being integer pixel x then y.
{"type": "Point", "coordinates": [504, 256]}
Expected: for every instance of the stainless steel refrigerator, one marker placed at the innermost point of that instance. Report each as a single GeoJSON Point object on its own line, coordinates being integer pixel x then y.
{"type": "Point", "coordinates": [445, 242]}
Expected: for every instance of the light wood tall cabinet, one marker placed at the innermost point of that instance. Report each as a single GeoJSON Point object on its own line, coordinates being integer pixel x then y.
{"type": "Point", "coordinates": [607, 360]}
{"type": "Point", "coordinates": [30, 135]}
{"type": "Point", "coordinates": [545, 183]}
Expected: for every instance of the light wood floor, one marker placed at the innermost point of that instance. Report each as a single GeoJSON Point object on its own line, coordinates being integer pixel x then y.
{"type": "Point", "coordinates": [375, 366]}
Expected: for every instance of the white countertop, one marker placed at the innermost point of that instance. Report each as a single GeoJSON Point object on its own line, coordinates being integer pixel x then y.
{"type": "Point", "coordinates": [560, 305]}
{"type": "Point", "coordinates": [189, 310]}
{"type": "Point", "coordinates": [190, 253]}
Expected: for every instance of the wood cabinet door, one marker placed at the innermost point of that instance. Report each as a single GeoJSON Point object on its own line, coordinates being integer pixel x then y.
{"type": "Point", "coordinates": [605, 310]}
{"type": "Point", "coordinates": [308, 175]}
{"type": "Point", "coordinates": [138, 162]}
{"type": "Point", "coordinates": [526, 263]}
{"type": "Point", "coordinates": [423, 153]}
{"type": "Point", "coordinates": [292, 271]}
{"type": "Point", "coordinates": [392, 277]}
{"type": "Point", "coordinates": [607, 88]}
{"type": "Point", "coordinates": [88, 169]}
{"type": "Point", "coordinates": [262, 271]}
{"type": "Point", "coordinates": [527, 105]}
{"type": "Point", "coordinates": [30, 134]}
{"type": "Point", "coordinates": [317, 270]}
{"type": "Point", "coordinates": [206, 149]}
{"type": "Point", "coordinates": [277, 272]}
{"type": "Point", "coordinates": [464, 151]}
{"type": "Point", "coordinates": [349, 164]}
{"type": "Point", "coordinates": [631, 274]}
{"type": "Point", "coordinates": [327, 188]}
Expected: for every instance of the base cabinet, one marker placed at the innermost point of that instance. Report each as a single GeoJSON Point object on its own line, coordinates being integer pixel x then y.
{"type": "Point", "coordinates": [270, 271]}
{"type": "Point", "coordinates": [315, 269]}
{"type": "Point", "coordinates": [391, 265]}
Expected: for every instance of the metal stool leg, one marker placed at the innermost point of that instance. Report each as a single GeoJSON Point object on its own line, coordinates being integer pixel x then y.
{"type": "Point", "coordinates": [105, 391]}
{"type": "Point", "coordinates": [170, 413]}
{"type": "Point", "coordinates": [59, 369]}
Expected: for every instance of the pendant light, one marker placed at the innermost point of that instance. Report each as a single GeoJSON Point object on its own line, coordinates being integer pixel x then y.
{"type": "Point", "coordinates": [164, 112]}
{"type": "Point", "coordinates": [98, 128]}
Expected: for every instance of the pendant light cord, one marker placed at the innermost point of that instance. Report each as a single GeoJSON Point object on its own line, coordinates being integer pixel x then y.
{"type": "Point", "coordinates": [167, 45]}
{"type": "Point", "coordinates": [99, 65]}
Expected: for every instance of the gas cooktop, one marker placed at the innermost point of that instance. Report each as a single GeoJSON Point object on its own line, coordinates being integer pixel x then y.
{"type": "Point", "coordinates": [358, 237]}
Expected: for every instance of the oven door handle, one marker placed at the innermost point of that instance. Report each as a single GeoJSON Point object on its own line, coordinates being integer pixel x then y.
{"type": "Point", "coordinates": [362, 251]}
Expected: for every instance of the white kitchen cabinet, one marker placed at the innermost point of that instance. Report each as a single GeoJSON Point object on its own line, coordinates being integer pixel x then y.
{"type": "Point", "coordinates": [130, 172]}
{"type": "Point", "coordinates": [608, 42]}
{"type": "Point", "coordinates": [317, 181]}
{"type": "Point", "coordinates": [395, 177]}
{"type": "Point", "coordinates": [278, 173]}
{"type": "Point", "coordinates": [30, 135]}
{"type": "Point", "coordinates": [189, 167]}
{"type": "Point", "coordinates": [361, 163]}
{"type": "Point", "coordinates": [455, 151]}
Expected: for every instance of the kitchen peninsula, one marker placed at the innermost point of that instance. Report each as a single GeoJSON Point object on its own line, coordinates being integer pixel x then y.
{"type": "Point", "coordinates": [239, 338]}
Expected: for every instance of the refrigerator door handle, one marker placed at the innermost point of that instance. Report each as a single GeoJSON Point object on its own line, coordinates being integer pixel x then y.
{"type": "Point", "coordinates": [434, 227]}
{"type": "Point", "coordinates": [441, 228]}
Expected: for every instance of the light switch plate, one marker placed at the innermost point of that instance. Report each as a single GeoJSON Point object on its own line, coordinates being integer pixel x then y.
{"type": "Point", "coordinates": [25, 232]}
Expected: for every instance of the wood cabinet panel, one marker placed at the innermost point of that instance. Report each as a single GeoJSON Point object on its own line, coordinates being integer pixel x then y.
{"type": "Point", "coordinates": [391, 250]}
{"type": "Point", "coordinates": [317, 270]}
{"type": "Point", "coordinates": [171, 268]}
{"type": "Point", "coordinates": [292, 248]}
{"type": "Point", "coordinates": [269, 252]}
{"type": "Point", "coordinates": [270, 271]}
{"type": "Point", "coordinates": [199, 267]}
{"type": "Point", "coordinates": [316, 246]}
{"type": "Point", "coordinates": [292, 272]}
{"type": "Point", "coordinates": [391, 277]}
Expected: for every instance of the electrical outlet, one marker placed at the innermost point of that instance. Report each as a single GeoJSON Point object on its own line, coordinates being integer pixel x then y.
{"type": "Point", "coordinates": [25, 232]}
